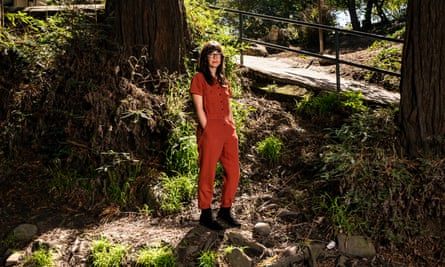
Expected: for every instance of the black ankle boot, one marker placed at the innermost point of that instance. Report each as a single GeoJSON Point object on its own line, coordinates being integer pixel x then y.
{"type": "Point", "coordinates": [206, 219]}
{"type": "Point", "coordinates": [225, 215]}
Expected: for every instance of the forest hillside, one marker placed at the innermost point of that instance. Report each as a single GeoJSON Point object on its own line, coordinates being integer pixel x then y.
{"type": "Point", "coordinates": [98, 155]}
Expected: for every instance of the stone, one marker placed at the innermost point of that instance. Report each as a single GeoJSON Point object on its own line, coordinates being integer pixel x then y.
{"type": "Point", "coordinates": [252, 249]}
{"type": "Point", "coordinates": [256, 50]}
{"type": "Point", "coordinates": [261, 229]}
{"type": "Point", "coordinates": [287, 215]}
{"type": "Point", "coordinates": [237, 258]}
{"type": "Point", "coordinates": [13, 259]}
{"type": "Point", "coordinates": [356, 246]}
{"type": "Point", "coordinates": [24, 232]}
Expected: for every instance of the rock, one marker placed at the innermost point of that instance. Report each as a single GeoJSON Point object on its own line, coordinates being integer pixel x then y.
{"type": "Point", "coordinates": [288, 216]}
{"type": "Point", "coordinates": [237, 258]}
{"type": "Point", "coordinates": [311, 253]}
{"type": "Point", "coordinates": [355, 246]}
{"type": "Point", "coordinates": [14, 259]}
{"type": "Point", "coordinates": [290, 251]}
{"type": "Point", "coordinates": [252, 249]}
{"type": "Point", "coordinates": [24, 232]}
{"type": "Point", "coordinates": [256, 50]}
{"type": "Point", "coordinates": [261, 229]}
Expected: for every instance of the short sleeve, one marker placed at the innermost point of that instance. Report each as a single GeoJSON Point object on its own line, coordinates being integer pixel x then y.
{"type": "Point", "coordinates": [197, 84]}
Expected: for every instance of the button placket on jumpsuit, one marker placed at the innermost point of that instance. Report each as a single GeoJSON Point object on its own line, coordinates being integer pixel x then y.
{"type": "Point", "coordinates": [217, 142]}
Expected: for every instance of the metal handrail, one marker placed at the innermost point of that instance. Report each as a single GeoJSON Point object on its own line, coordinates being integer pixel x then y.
{"type": "Point", "coordinates": [336, 31]}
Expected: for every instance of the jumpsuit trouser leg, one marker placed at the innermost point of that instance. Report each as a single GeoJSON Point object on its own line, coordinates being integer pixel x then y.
{"type": "Point", "coordinates": [218, 142]}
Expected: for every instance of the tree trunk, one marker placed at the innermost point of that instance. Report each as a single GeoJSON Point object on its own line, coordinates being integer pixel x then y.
{"type": "Point", "coordinates": [158, 25]}
{"type": "Point", "coordinates": [353, 14]}
{"type": "Point", "coordinates": [2, 13]}
{"type": "Point", "coordinates": [379, 6]}
{"type": "Point", "coordinates": [367, 22]}
{"type": "Point", "coordinates": [422, 103]}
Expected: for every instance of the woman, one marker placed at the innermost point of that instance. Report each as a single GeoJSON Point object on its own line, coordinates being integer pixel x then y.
{"type": "Point", "coordinates": [216, 136]}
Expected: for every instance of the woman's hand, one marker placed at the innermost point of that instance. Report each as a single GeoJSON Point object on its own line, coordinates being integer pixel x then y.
{"type": "Point", "coordinates": [199, 107]}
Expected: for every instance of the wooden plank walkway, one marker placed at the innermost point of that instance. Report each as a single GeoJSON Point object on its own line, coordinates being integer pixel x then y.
{"type": "Point", "coordinates": [283, 70]}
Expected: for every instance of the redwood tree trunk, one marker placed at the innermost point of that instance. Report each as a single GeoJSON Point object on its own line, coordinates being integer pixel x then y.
{"type": "Point", "coordinates": [158, 25]}
{"type": "Point", "coordinates": [422, 107]}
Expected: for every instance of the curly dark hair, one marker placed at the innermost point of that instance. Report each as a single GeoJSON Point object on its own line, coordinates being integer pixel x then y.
{"type": "Point", "coordinates": [203, 64]}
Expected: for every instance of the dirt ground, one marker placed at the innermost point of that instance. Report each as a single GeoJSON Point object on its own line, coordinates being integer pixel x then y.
{"type": "Point", "coordinates": [25, 198]}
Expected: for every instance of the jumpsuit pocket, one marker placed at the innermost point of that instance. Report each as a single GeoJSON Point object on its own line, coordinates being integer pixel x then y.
{"type": "Point", "coordinates": [201, 132]}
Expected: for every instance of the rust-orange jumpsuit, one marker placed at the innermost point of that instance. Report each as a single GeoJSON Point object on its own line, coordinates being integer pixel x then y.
{"type": "Point", "coordinates": [218, 141]}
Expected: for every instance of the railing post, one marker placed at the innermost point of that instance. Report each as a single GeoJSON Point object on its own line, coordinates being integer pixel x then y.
{"type": "Point", "coordinates": [241, 26]}
{"type": "Point", "coordinates": [337, 59]}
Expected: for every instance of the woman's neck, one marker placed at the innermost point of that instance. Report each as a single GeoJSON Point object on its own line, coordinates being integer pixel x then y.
{"type": "Point", "coordinates": [213, 72]}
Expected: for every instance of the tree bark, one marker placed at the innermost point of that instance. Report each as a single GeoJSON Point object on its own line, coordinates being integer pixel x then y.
{"type": "Point", "coordinates": [353, 14]}
{"type": "Point", "coordinates": [158, 25]}
{"type": "Point", "coordinates": [368, 15]}
{"type": "Point", "coordinates": [2, 13]}
{"type": "Point", "coordinates": [422, 103]}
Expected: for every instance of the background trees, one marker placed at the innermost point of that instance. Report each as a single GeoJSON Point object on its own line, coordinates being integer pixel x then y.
{"type": "Point", "coordinates": [362, 13]}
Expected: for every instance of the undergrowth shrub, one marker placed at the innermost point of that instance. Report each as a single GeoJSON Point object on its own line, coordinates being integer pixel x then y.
{"type": "Point", "coordinates": [104, 253]}
{"type": "Point", "coordinates": [93, 123]}
{"type": "Point", "coordinates": [120, 172]}
{"type": "Point", "coordinates": [329, 104]}
{"type": "Point", "coordinates": [207, 258]}
{"type": "Point", "coordinates": [378, 193]}
{"type": "Point", "coordinates": [162, 256]}
{"type": "Point", "coordinates": [41, 257]}
{"type": "Point", "coordinates": [389, 58]}
{"type": "Point", "coordinates": [182, 152]}
{"type": "Point", "coordinates": [270, 149]}
{"type": "Point", "coordinates": [175, 192]}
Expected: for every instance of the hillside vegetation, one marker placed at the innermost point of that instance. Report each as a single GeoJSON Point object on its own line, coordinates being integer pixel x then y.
{"type": "Point", "coordinates": [87, 132]}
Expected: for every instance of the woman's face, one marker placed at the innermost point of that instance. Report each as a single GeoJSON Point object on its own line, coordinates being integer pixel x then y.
{"type": "Point", "coordinates": [214, 59]}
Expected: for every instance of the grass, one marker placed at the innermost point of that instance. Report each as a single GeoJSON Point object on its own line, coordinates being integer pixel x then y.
{"type": "Point", "coordinates": [40, 258]}
{"type": "Point", "coordinates": [270, 149]}
{"type": "Point", "coordinates": [106, 254]}
{"type": "Point", "coordinates": [207, 258]}
{"type": "Point", "coordinates": [176, 192]}
{"type": "Point", "coordinates": [156, 257]}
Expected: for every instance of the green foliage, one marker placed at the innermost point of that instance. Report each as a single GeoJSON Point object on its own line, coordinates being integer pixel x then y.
{"type": "Point", "coordinates": [207, 258]}
{"type": "Point", "coordinates": [240, 114]}
{"type": "Point", "coordinates": [396, 9]}
{"type": "Point", "coordinates": [389, 58]}
{"type": "Point", "coordinates": [156, 257]}
{"type": "Point", "coordinates": [120, 173]}
{"type": "Point", "coordinates": [35, 41]}
{"type": "Point", "coordinates": [182, 151]}
{"type": "Point", "coordinates": [377, 193]}
{"type": "Point", "coordinates": [270, 149]}
{"type": "Point", "coordinates": [208, 24]}
{"type": "Point", "coordinates": [327, 104]}
{"type": "Point", "coordinates": [176, 191]}
{"type": "Point", "coordinates": [341, 216]}
{"type": "Point", "coordinates": [106, 254]}
{"type": "Point", "coordinates": [40, 258]}
{"type": "Point", "coordinates": [61, 182]}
